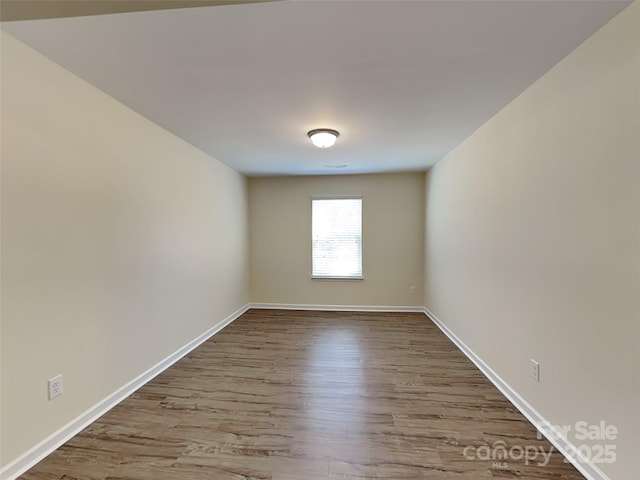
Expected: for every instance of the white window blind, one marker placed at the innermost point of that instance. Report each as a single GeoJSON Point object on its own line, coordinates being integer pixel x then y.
{"type": "Point", "coordinates": [336, 232]}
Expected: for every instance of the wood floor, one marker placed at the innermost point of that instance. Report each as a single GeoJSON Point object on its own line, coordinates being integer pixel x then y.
{"type": "Point", "coordinates": [286, 395]}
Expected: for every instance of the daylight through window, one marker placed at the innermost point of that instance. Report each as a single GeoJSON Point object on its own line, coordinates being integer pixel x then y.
{"type": "Point", "coordinates": [336, 237]}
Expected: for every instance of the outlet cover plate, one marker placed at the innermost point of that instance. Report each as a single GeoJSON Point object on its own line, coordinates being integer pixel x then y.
{"type": "Point", "coordinates": [534, 370]}
{"type": "Point", "coordinates": [55, 387]}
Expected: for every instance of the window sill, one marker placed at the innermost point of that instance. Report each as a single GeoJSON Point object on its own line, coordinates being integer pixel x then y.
{"type": "Point", "coordinates": [313, 277]}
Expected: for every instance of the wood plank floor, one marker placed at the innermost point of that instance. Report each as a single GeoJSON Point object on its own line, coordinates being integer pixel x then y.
{"type": "Point", "coordinates": [287, 395]}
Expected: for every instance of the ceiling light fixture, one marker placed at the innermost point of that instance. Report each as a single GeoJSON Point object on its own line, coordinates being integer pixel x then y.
{"type": "Point", "coordinates": [323, 137]}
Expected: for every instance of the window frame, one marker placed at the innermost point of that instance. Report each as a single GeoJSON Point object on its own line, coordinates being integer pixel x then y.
{"type": "Point", "coordinates": [338, 277]}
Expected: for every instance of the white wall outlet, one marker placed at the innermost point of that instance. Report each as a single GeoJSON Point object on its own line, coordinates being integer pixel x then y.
{"type": "Point", "coordinates": [412, 290]}
{"type": "Point", "coordinates": [55, 386]}
{"type": "Point", "coordinates": [534, 370]}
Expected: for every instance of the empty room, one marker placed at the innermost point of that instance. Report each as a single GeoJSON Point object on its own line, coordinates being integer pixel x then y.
{"type": "Point", "coordinates": [319, 239]}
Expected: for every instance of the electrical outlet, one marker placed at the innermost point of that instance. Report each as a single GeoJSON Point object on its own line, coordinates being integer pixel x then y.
{"type": "Point", "coordinates": [534, 370]}
{"type": "Point", "coordinates": [55, 386]}
{"type": "Point", "coordinates": [412, 290]}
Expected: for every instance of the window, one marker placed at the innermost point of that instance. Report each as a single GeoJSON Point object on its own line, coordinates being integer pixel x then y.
{"type": "Point", "coordinates": [336, 232]}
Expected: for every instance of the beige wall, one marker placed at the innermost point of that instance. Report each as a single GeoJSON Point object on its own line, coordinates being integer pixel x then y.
{"type": "Point", "coordinates": [393, 231]}
{"type": "Point", "coordinates": [533, 239]}
{"type": "Point", "coordinates": [120, 244]}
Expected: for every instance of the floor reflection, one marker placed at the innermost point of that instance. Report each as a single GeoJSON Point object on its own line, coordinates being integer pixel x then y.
{"type": "Point", "coordinates": [335, 384]}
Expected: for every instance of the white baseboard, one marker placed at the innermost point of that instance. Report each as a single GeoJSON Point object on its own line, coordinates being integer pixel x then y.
{"type": "Point", "coordinates": [558, 439]}
{"type": "Point", "coordinates": [32, 456]}
{"type": "Point", "coordinates": [337, 308]}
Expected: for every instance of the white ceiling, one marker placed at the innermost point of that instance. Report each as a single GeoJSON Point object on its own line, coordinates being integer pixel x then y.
{"type": "Point", "coordinates": [403, 81]}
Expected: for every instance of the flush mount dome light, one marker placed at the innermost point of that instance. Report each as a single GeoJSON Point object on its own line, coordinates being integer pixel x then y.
{"type": "Point", "coordinates": [323, 137]}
